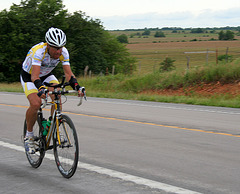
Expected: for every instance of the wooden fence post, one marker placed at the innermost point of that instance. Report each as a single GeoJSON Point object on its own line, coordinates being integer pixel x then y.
{"type": "Point", "coordinates": [207, 57]}
{"type": "Point", "coordinates": [106, 71]}
{"type": "Point", "coordinates": [188, 62]}
{"type": "Point", "coordinates": [226, 59]}
{"type": "Point", "coordinates": [113, 69]}
{"type": "Point", "coordinates": [85, 71]}
{"type": "Point", "coordinates": [139, 68]}
{"type": "Point", "coordinates": [154, 66]}
{"type": "Point", "coordinates": [216, 56]}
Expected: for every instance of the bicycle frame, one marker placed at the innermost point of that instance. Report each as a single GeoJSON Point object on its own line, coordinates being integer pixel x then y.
{"type": "Point", "coordinates": [54, 127]}
{"type": "Point", "coordinates": [57, 115]}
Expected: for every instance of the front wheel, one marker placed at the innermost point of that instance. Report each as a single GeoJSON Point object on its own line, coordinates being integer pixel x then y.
{"type": "Point", "coordinates": [66, 151]}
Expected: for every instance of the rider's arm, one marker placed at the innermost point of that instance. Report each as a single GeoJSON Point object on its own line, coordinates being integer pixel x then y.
{"type": "Point", "coordinates": [35, 72]}
{"type": "Point", "coordinates": [72, 80]}
{"type": "Point", "coordinates": [68, 72]}
{"type": "Point", "coordinates": [70, 77]}
{"type": "Point", "coordinates": [36, 80]}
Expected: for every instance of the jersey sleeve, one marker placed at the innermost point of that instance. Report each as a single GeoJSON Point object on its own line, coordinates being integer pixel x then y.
{"type": "Point", "coordinates": [38, 53]}
{"type": "Point", "coordinates": [65, 57]}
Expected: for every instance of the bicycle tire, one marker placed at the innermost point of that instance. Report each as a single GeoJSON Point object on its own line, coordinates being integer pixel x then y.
{"type": "Point", "coordinates": [35, 159]}
{"type": "Point", "coordinates": [67, 154]}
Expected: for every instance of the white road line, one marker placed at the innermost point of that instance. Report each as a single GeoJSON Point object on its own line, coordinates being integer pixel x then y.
{"type": "Point", "coordinates": [112, 173]}
{"type": "Point", "coordinates": [163, 105]}
{"type": "Point", "coordinates": [236, 112]}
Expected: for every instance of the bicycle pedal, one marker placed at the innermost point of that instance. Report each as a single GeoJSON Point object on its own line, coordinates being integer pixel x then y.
{"type": "Point", "coordinates": [50, 147]}
{"type": "Point", "coordinates": [36, 138]}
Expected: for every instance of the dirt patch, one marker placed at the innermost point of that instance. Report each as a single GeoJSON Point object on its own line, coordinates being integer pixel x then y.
{"type": "Point", "coordinates": [202, 90]}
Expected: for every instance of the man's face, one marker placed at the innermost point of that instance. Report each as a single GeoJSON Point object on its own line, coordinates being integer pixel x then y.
{"type": "Point", "coordinates": [54, 52]}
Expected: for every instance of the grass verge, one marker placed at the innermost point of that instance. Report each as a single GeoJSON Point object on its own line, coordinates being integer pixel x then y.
{"type": "Point", "coordinates": [216, 100]}
{"type": "Point", "coordinates": [142, 87]}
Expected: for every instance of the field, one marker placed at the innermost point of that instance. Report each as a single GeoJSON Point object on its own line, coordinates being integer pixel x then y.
{"type": "Point", "coordinates": [151, 51]}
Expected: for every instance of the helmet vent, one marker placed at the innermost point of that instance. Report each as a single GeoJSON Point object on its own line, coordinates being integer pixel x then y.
{"type": "Point", "coordinates": [55, 37]}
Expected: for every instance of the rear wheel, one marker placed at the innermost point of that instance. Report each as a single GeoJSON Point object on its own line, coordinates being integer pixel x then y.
{"type": "Point", "coordinates": [67, 153]}
{"type": "Point", "coordinates": [35, 159]}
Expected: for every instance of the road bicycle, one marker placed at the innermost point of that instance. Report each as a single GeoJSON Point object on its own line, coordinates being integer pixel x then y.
{"type": "Point", "coordinates": [61, 135]}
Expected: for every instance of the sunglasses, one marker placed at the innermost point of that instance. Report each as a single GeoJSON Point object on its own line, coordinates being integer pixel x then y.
{"type": "Point", "coordinates": [56, 48]}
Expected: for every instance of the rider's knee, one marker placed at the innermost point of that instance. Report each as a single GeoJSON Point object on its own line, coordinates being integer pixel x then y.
{"type": "Point", "coordinates": [36, 103]}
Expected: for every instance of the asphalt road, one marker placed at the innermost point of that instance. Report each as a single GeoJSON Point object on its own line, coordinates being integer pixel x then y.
{"type": "Point", "coordinates": [129, 147]}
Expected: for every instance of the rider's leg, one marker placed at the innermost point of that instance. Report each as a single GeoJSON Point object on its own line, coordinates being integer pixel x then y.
{"type": "Point", "coordinates": [31, 117]}
{"type": "Point", "coordinates": [31, 114]}
{"type": "Point", "coordinates": [52, 107]}
{"type": "Point", "coordinates": [35, 102]}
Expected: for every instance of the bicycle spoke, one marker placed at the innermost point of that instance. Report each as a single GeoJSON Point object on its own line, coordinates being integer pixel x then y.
{"type": "Point", "coordinates": [66, 152]}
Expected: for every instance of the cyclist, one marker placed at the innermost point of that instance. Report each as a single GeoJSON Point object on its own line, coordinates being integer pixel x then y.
{"type": "Point", "coordinates": [37, 69]}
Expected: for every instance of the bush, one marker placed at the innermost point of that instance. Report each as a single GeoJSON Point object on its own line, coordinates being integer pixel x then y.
{"type": "Point", "coordinates": [2, 77]}
{"type": "Point", "coordinates": [122, 38]}
{"type": "Point", "coordinates": [228, 35]}
{"type": "Point", "coordinates": [146, 33]}
{"type": "Point", "coordinates": [159, 34]}
{"type": "Point", "coordinates": [197, 30]}
{"type": "Point", "coordinates": [228, 58]}
{"type": "Point", "coordinates": [167, 65]}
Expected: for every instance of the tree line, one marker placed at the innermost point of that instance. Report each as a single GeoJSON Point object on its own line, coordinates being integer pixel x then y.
{"type": "Point", "coordinates": [187, 29]}
{"type": "Point", "coordinates": [228, 35]}
{"type": "Point", "coordinates": [25, 25]}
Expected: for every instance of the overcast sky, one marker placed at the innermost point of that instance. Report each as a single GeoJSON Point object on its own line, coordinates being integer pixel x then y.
{"type": "Point", "coordinates": [134, 14]}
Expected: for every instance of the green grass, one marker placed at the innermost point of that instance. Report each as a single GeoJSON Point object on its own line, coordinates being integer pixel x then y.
{"type": "Point", "coordinates": [216, 100]}
{"type": "Point", "coordinates": [11, 87]}
{"type": "Point", "coordinates": [223, 73]}
{"type": "Point", "coordinates": [137, 87]}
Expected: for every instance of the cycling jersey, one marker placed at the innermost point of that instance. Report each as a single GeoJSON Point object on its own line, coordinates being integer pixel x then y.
{"type": "Point", "coordinates": [38, 55]}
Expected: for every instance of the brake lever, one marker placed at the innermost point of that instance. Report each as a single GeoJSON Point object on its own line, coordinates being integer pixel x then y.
{"type": "Point", "coordinates": [84, 96]}
{"type": "Point", "coordinates": [45, 100]}
{"type": "Point", "coordinates": [84, 93]}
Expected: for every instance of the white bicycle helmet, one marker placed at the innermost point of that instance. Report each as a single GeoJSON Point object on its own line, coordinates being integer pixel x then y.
{"type": "Point", "coordinates": [55, 37]}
